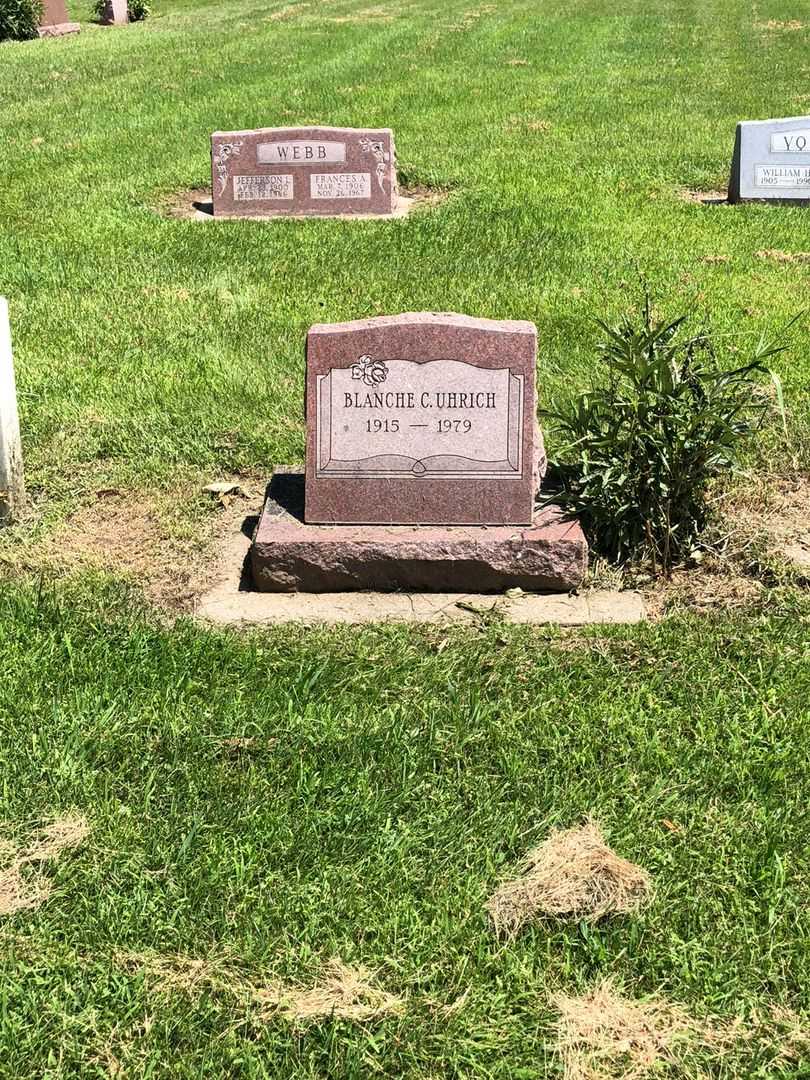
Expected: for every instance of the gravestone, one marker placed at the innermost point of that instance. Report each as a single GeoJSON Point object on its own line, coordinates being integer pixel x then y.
{"type": "Point", "coordinates": [55, 20]}
{"type": "Point", "coordinates": [424, 458]}
{"type": "Point", "coordinates": [421, 418]}
{"type": "Point", "coordinates": [116, 13]}
{"type": "Point", "coordinates": [12, 486]}
{"type": "Point", "coordinates": [771, 161]}
{"type": "Point", "coordinates": [311, 171]}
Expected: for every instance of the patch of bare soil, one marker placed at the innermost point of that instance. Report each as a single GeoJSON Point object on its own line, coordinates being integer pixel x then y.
{"type": "Point", "coordinates": [765, 522]}
{"type": "Point", "coordinates": [776, 513]}
{"type": "Point", "coordinates": [144, 537]}
{"type": "Point", "coordinates": [23, 884]}
{"type": "Point", "coordinates": [186, 203]}
{"type": "Point", "coordinates": [424, 196]}
{"type": "Point", "coordinates": [716, 585]}
{"type": "Point", "coordinates": [572, 874]}
{"type": "Point", "coordinates": [704, 198]}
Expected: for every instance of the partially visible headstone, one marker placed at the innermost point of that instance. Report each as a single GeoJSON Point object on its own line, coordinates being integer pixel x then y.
{"type": "Point", "coordinates": [116, 13]}
{"type": "Point", "coordinates": [12, 487]}
{"type": "Point", "coordinates": [315, 171]}
{"type": "Point", "coordinates": [771, 161]}
{"type": "Point", "coordinates": [422, 418]}
{"type": "Point", "coordinates": [55, 20]}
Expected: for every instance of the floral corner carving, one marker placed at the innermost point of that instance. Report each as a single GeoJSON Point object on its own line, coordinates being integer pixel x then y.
{"type": "Point", "coordinates": [376, 147]}
{"type": "Point", "coordinates": [372, 372]}
{"type": "Point", "coordinates": [225, 151]}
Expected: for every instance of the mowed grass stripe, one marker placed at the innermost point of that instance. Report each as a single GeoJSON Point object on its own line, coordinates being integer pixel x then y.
{"type": "Point", "coordinates": [384, 781]}
{"type": "Point", "coordinates": [389, 781]}
{"type": "Point", "coordinates": [144, 343]}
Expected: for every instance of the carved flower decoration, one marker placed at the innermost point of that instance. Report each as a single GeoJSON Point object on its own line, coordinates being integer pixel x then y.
{"type": "Point", "coordinates": [372, 372]}
{"type": "Point", "coordinates": [225, 152]}
{"type": "Point", "coordinates": [375, 147]}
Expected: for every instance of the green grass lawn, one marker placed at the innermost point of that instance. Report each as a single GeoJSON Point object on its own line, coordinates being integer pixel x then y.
{"type": "Point", "coordinates": [395, 775]}
{"type": "Point", "coordinates": [151, 349]}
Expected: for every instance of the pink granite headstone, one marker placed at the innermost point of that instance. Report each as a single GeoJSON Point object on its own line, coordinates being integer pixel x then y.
{"type": "Point", "coordinates": [55, 20]}
{"type": "Point", "coordinates": [422, 418]}
{"type": "Point", "coordinates": [315, 171]}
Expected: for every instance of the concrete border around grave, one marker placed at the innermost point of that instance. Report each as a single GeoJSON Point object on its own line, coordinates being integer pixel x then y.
{"type": "Point", "coordinates": [232, 603]}
{"type": "Point", "coordinates": [58, 29]}
{"type": "Point", "coordinates": [699, 197]}
{"type": "Point", "coordinates": [405, 206]}
{"type": "Point", "coordinates": [195, 204]}
{"type": "Point", "coordinates": [695, 197]}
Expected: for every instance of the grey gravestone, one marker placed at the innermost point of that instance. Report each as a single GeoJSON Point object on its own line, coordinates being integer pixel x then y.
{"type": "Point", "coordinates": [12, 487]}
{"type": "Point", "coordinates": [771, 161]}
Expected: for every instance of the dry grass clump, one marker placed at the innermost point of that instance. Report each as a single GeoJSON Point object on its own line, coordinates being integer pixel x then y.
{"type": "Point", "coordinates": [782, 24]}
{"type": "Point", "coordinates": [343, 991]}
{"type": "Point", "coordinates": [775, 255]}
{"type": "Point", "coordinates": [524, 123]}
{"type": "Point", "coordinates": [18, 893]}
{"type": "Point", "coordinates": [51, 840]}
{"type": "Point", "coordinates": [573, 873]}
{"type": "Point", "coordinates": [286, 12]}
{"type": "Point", "coordinates": [23, 889]}
{"type": "Point", "coordinates": [176, 973]}
{"type": "Point", "coordinates": [770, 514]}
{"type": "Point", "coordinates": [377, 13]}
{"type": "Point", "coordinates": [787, 1034]}
{"type": "Point", "coordinates": [603, 1036]}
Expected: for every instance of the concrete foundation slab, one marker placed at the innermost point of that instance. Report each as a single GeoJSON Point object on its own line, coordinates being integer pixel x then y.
{"type": "Point", "coordinates": [58, 29]}
{"type": "Point", "coordinates": [232, 602]}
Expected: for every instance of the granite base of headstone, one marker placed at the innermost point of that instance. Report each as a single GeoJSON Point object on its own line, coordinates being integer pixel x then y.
{"type": "Point", "coordinates": [115, 13]}
{"type": "Point", "coordinates": [55, 20]}
{"type": "Point", "coordinates": [424, 459]}
{"type": "Point", "coordinates": [771, 161]}
{"type": "Point", "coordinates": [303, 172]}
{"type": "Point", "coordinates": [288, 555]}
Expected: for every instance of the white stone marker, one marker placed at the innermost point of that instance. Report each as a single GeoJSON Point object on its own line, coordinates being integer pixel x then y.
{"type": "Point", "coordinates": [12, 488]}
{"type": "Point", "coordinates": [771, 161]}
